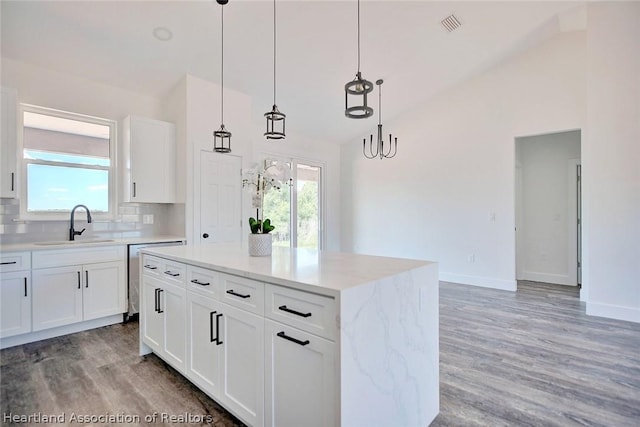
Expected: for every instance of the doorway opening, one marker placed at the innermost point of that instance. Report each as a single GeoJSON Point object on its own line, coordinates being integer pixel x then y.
{"type": "Point", "coordinates": [548, 208]}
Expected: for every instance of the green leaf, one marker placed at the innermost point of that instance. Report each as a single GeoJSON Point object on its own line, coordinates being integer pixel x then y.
{"type": "Point", "coordinates": [254, 225]}
{"type": "Point", "coordinates": [267, 227]}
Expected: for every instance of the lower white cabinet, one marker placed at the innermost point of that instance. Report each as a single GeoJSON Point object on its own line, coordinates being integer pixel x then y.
{"type": "Point", "coordinates": [261, 370]}
{"type": "Point", "coordinates": [15, 303]}
{"type": "Point", "coordinates": [164, 319]}
{"type": "Point", "coordinates": [226, 355]}
{"type": "Point", "coordinates": [300, 378]}
{"type": "Point", "coordinates": [70, 294]}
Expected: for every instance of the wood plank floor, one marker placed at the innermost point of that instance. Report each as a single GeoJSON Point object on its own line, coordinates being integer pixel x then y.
{"type": "Point", "coordinates": [530, 358]}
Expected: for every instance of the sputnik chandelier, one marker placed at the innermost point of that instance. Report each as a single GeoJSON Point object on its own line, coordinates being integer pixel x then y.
{"type": "Point", "coordinates": [380, 149]}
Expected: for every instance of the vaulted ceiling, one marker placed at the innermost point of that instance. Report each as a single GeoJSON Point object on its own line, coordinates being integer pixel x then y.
{"type": "Point", "coordinates": [403, 42]}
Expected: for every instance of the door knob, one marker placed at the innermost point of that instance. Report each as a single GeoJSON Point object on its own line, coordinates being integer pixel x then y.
{"type": "Point", "coordinates": [205, 236]}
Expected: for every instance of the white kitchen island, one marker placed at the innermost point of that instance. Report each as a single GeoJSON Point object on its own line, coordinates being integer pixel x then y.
{"type": "Point", "coordinates": [300, 338]}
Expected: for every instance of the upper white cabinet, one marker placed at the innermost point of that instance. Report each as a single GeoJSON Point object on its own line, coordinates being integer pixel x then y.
{"type": "Point", "coordinates": [8, 135]}
{"type": "Point", "coordinates": [149, 154]}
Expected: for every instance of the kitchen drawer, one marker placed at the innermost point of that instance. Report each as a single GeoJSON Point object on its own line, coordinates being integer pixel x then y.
{"type": "Point", "coordinates": [151, 265]}
{"type": "Point", "coordinates": [15, 261]}
{"type": "Point", "coordinates": [63, 257]}
{"type": "Point", "coordinates": [203, 281]}
{"type": "Point", "coordinates": [243, 293]}
{"type": "Point", "coordinates": [310, 312]}
{"type": "Point", "coordinates": [174, 272]}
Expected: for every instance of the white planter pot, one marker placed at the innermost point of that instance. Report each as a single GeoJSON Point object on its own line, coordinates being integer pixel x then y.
{"type": "Point", "coordinates": [259, 244]}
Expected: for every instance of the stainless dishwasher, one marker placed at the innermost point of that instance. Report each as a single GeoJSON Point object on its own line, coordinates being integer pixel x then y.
{"type": "Point", "coordinates": [133, 287]}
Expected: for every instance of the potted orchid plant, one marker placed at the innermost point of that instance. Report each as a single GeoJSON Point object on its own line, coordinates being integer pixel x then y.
{"type": "Point", "coordinates": [258, 179]}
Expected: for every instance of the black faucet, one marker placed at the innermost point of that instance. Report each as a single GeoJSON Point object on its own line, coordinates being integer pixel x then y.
{"type": "Point", "coordinates": [73, 233]}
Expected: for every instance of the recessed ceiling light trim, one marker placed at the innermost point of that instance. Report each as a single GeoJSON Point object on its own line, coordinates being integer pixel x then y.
{"type": "Point", "coordinates": [162, 33]}
{"type": "Point", "coordinates": [451, 23]}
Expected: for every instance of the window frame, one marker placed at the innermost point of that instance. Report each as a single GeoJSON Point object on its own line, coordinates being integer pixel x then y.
{"type": "Point", "coordinates": [24, 163]}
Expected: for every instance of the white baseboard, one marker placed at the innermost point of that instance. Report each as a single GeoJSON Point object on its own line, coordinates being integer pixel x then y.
{"type": "Point", "coordinates": [558, 279]}
{"type": "Point", "coordinates": [485, 282]}
{"type": "Point", "coordinates": [630, 314]}
{"type": "Point", "coordinates": [59, 331]}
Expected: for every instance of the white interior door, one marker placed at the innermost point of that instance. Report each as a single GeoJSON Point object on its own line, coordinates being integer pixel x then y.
{"type": "Point", "coordinates": [220, 196]}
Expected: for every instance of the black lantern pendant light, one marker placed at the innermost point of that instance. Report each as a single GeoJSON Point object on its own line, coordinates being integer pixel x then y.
{"type": "Point", "coordinates": [275, 119]}
{"type": "Point", "coordinates": [380, 150]}
{"type": "Point", "coordinates": [356, 90]}
{"type": "Point", "coordinates": [222, 137]}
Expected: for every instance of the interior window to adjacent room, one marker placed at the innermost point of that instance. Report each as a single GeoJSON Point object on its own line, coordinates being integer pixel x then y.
{"type": "Point", "coordinates": [68, 159]}
{"type": "Point", "coordinates": [296, 211]}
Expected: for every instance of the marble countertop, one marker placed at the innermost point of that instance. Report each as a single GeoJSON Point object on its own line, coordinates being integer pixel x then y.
{"type": "Point", "coordinates": [317, 271]}
{"type": "Point", "coordinates": [87, 242]}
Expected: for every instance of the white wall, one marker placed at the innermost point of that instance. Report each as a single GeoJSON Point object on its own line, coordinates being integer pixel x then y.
{"type": "Point", "coordinates": [611, 162]}
{"type": "Point", "coordinates": [546, 252]}
{"type": "Point", "coordinates": [455, 166]}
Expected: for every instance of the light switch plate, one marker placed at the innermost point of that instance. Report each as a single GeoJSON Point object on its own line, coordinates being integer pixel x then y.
{"type": "Point", "coordinates": [147, 219]}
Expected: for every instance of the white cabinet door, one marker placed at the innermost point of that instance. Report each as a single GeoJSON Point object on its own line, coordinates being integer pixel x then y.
{"type": "Point", "coordinates": [57, 296]}
{"type": "Point", "coordinates": [300, 378]}
{"type": "Point", "coordinates": [173, 308]}
{"type": "Point", "coordinates": [104, 290]}
{"type": "Point", "coordinates": [242, 335]}
{"type": "Point", "coordinates": [15, 303]}
{"type": "Point", "coordinates": [152, 321]}
{"type": "Point", "coordinates": [8, 158]}
{"type": "Point", "coordinates": [203, 366]}
{"type": "Point", "coordinates": [150, 155]}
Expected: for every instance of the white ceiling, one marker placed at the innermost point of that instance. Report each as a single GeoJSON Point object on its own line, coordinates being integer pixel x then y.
{"type": "Point", "coordinates": [401, 41]}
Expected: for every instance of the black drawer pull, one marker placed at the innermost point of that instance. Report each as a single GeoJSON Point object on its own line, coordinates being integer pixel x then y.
{"type": "Point", "coordinates": [200, 283]}
{"type": "Point", "coordinates": [8, 262]}
{"type": "Point", "coordinates": [160, 310]}
{"type": "Point", "coordinates": [230, 291]}
{"type": "Point", "coordinates": [286, 337]}
{"type": "Point", "coordinates": [150, 267]}
{"type": "Point", "coordinates": [212, 339]}
{"type": "Point", "coordinates": [297, 313]}
{"type": "Point", "coordinates": [218, 316]}
{"type": "Point", "coordinates": [171, 273]}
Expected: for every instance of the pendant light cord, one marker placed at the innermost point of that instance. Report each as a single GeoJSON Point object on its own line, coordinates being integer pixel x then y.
{"type": "Point", "coordinates": [274, 52]}
{"type": "Point", "coordinates": [380, 104]}
{"type": "Point", "coordinates": [222, 68]}
{"type": "Point", "coordinates": [358, 36]}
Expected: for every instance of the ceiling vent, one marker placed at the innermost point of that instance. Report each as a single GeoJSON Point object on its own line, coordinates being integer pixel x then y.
{"type": "Point", "coordinates": [450, 23]}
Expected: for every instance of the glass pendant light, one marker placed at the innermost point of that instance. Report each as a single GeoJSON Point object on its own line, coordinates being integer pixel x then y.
{"type": "Point", "coordinates": [222, 137]}
{"type": "Point", "coordinates": [275, 119]}
{"type": "Point", "coordinates": [355, 91]}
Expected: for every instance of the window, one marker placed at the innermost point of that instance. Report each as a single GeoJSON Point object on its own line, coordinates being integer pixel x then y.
{"type": "Point", "coordinates": [67, 159]}
{"type": "Point", "coordinates": [300, 205]}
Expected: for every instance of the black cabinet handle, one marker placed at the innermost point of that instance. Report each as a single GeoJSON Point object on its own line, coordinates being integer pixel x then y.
{"type": "Point", "coordinates": [297, 313]}
{"type": "Point", "coordinates": [12, 181]}
{"type": "Point", "coordinates": [134, 189]}
{"type": "Point", "coordinates": [86, 278]}
{"type": "Point", "coordinates": [25, 286]}
{"type": "Point", "coordinates": [218, 316]}
{"type": "Point", "coordinates": [230, 291]}
{"type": "Point", "coordinates": [79, 286]}
{"type": "Point", "coordinates": [160, 310]}
{"type": "Point", "coordinates": [171, 273]}
{"type": "Point", "coordinates": [156, 301]}
{"type": "Point", "coordinates": [8, 262]}
{"type": "Point", "coordinates": [286, 337]}
{"type": "Point", "coordinates": [200, 283]}
{"type": "Point", "coordinates": [150, 267]}
{"type": "Point", "coordinates": [212, 339]}
{"type": "Point", "coordinates": [205, 235]}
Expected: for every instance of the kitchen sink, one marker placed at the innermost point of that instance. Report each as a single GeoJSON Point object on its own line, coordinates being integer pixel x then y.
{"type": "Point", "coordinates": [73, 242]}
